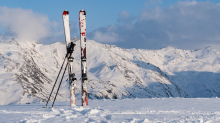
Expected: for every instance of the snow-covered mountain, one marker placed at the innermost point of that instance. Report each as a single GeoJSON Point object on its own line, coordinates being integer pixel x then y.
{"type": "Point", "coordinates": [28, 71]}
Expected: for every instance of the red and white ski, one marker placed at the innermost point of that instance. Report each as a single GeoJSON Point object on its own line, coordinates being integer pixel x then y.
{"type": "Point", "coordinates": [82, 26]}
{"type": "Point", "coordinates": [70, 47]}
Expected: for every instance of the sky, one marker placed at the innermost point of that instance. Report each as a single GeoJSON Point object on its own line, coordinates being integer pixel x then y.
{"type": "Point", "coordinates": [145, 24]}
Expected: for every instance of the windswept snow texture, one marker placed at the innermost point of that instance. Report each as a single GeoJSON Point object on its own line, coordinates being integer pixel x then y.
{"type": "Point", "coordinates": [167, 110]}
{"type": "Point", "coordinates": [28, 71]}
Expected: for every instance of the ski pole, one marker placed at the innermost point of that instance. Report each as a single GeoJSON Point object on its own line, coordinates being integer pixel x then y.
{"type": "Point", "coordinates": [56, 80]}
{"type": "Point", "coordinates": [60, 83]}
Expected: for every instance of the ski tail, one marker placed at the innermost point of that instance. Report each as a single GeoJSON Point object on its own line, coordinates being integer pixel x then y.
{"type": "Point", "coordinates": [82, 26]}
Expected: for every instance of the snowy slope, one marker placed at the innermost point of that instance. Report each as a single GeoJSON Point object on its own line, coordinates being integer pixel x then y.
{"type": "Point", "coordinates": [29, 69]}
{"type": "Point", "coordinates": [168, 110]}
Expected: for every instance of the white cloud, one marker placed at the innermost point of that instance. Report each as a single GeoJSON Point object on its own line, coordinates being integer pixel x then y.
{"type": "Point", "coordinates": [153, 14]}
{"type": "Point", "coordinates": [125, 17]}
{"type": "Point", "coordinates": [187, 3]}
{"type": "Point", "coordinates": [124, 14]}
{"type": "Point", "coordinates": [27, 25]}
{"type": "Point", "coordinates": [108, 37]}
{"type": "Point", "coordinates": [182, 25]}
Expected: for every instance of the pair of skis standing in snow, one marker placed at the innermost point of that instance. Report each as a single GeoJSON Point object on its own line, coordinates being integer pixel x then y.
{"type": "Point", "coordinates": [70, 48]}
{"type": "Point", "coordinates": [72, 80]}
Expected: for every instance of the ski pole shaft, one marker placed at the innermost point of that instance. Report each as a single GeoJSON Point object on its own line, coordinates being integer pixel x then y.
{"type": "Point", "coordinates": [60, 83]}
{"type": "Point", "coordinates": [56, 80]}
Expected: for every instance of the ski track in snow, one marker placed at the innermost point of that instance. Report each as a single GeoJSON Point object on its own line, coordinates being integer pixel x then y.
{"type": "Point", "coordinates": [175, 110]}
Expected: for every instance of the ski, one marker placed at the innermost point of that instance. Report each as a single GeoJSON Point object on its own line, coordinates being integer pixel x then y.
{"type": "Point", "coordinates": [70, 47]}
{"type": "Point", "coordinates": [82, 26]}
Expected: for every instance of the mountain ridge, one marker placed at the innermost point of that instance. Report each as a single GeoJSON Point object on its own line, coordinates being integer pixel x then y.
{"type": "Point", "coordinates": [30, 68]}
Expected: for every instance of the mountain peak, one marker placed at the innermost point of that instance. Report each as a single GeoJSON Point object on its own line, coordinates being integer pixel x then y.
{"type": "Point", "coordinates": [37, 42]}
{"type": "Point", "coordinates": [74, 39]}
{"type": "Point", "coordinates": [208, 48]}
{"type": "Point", "coordinates": [168, 48]}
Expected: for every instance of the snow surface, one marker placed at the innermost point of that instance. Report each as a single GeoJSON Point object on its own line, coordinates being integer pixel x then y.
{"type": "Point", "coordinates": [175, 110]}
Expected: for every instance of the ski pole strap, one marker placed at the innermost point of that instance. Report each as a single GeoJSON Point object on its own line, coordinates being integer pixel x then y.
{"type": "Point", "coordinates": [71, 48]}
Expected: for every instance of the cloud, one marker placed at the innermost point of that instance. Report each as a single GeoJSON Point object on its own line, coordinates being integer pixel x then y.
{"type": "Point", "coordinates": [108, 35]}
{"type": "Point", "coordinates": [28, 25]}
{"type": "Point", "coordinates": [125, 17]}
{"type": "Point", "coordinates": [185, 25]}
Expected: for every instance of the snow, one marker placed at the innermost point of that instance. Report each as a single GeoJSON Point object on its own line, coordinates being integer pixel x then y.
{"type": "Point", "coordinates": [28, 71]}
{"type": "Point", "coordinates": [176, 110]}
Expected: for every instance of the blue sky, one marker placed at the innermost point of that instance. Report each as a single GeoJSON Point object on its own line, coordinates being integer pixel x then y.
{"type": "Point", "coordinates": [125, 23]}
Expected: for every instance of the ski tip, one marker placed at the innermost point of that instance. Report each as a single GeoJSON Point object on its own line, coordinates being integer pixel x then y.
{"type": "Point", "coordinates": [83, 11]}
{"type": "Point", "coordinates": [66, 12]}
